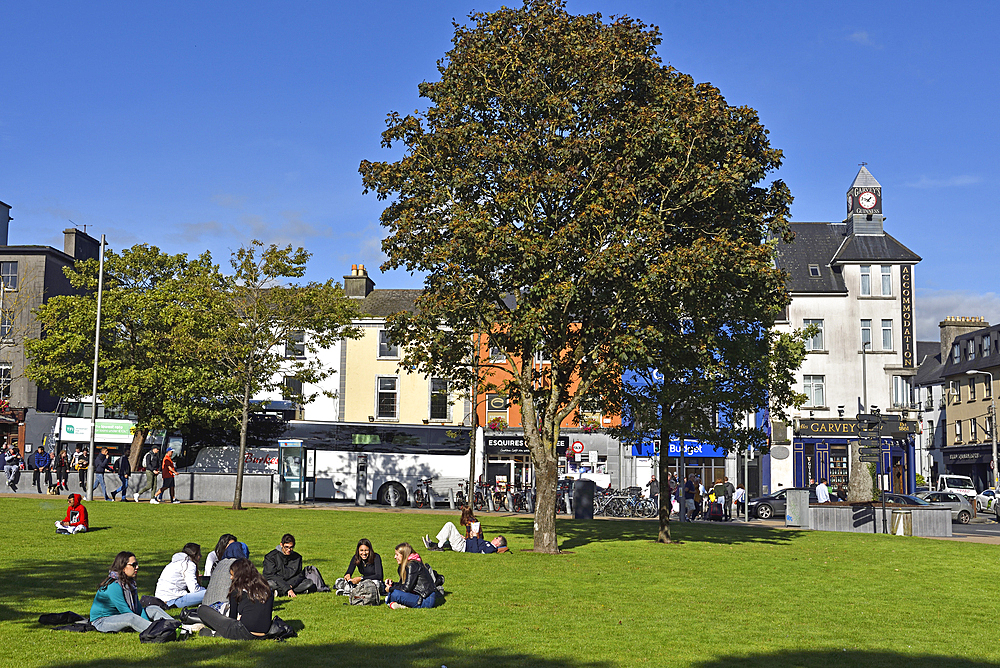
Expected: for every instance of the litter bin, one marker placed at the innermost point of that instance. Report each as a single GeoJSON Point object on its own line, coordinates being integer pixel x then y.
{"type": "Point", "coordinates": [797, 508]}
{"type": "Point", "coordinates": [583, 499]}
{"type": "Point", "coordinates": [902, 523]}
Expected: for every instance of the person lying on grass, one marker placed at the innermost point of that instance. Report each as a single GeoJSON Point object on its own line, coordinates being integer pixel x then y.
{"type": "Point", "coordinates": [251, 603]}
{"type": "Point", "coordinates": [116, 604]}
{"type": "Point", "coordinates": [415, 588]}
{"type": "Point", "coordinates": [449, 534]}
{"type": "Point", "coordinates": [76, 516]}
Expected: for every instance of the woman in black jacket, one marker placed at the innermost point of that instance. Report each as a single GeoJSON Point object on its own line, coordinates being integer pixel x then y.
{"type": "Point", "coordinates": [415, 588]}
{"type": "Point", "coordinates": [368, 564]}
{"type": "Point", "coordinates": [251, 602]}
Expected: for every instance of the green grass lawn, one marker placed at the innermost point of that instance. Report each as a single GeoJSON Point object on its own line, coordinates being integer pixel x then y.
{"type": "Point", "coordinates": [724, 597]}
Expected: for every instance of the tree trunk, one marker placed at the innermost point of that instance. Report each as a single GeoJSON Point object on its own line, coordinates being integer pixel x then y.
{"type": "Point", "coordinates": [135, 453]}
{"type": "Point", "coordinates": [663, 474]}
{"type": "Point", "coordinates": [244, 424]}
{"type": "Point", "coordinates": [546, 488]}
{"type": "Point", "coordinates": [859, 487]}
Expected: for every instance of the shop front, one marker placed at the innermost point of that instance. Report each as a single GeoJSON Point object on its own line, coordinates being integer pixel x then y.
{"type": "Point", "coordinates": [508, 460]}
{"type": "Point", "coordinates": [702, 459]}
{"type": "Point", "coordinates": [969, 460]}
{"type": "Point", "coordinates": [821, 449]}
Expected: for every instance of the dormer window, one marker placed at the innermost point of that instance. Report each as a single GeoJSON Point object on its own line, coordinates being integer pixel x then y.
{"type": "Point", "coordinates": [956, 354]}
{"type": "Point", "coordinates": [814, 271]}
{"type": "Point", "coordinates": [972, 349]}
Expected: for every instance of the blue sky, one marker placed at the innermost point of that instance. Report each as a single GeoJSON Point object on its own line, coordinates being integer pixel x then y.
{"type": "Point", "coordinates": [195, 126]}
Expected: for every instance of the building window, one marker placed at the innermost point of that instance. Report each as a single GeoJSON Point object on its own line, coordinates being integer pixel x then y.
{"type": "Point", "coordinates": [901, 391]}
{"type": "Point", "coordinates": [6, 377]}
{"type": "Point", "coordinates": [987, 350]}
{"type": "Point", "coordinates": [887, 335]}
{"type": "Point", "coordinates": [291, 387]}
{"type": "Point", "coordinates": [988, 389]}
{"type": "Point", "coordinates": [815, 390]}
{"type": "Point", "coordinates": [972, 388]}
{"type": "Point", "coordinates": [814, 270]}
{"type": "Point", "coordinates": [954, 390]}
{"type": "Point", "coordinates": [886, 280]}
{"type": "Point", "coordinates": [973, 431]}
{"type": "Point", "coordinates": [815, 342]}
{"type": "Point", "coordinates": [385, 346]}
{"type": "Point", "coordinates": [8, 275]}
{"type": "Point", "coordinates": [440, 405]}
{"type": "Point", "coordinates": [971, 349]}
{"type": "Point", "coordinates": [387, 404]}
{"type": "Point", "coordinates": [497, 355]}
{"type": "Point", "coordinates": [866, 334]}
{"type": "Point", "coordinates": [866, 280]}
{"type": "Point", "coordinates": [958, 431]}
{"type": "Point", "coordinates": [295, 346]}
{"type": "Point", "coordinates": [6, 324]}
{"type": "Point", "coordinates": [930, 432]}
{"type": "Point", "coordinates": [956, 353]}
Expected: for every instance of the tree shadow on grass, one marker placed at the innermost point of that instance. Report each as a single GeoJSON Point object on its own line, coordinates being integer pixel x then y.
{"type": "Point", "coordinates": [844, 659]}
{"type": "Point", "coordinates": [576, 533]}
{"type": "Point", "coordinates": [440, 650]}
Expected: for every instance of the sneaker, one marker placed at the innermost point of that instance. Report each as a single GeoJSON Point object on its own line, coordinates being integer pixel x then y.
{"type": "Point", "coordinates": [63, 531]}
{"type": "Point", "coordinates": [175, 501]}
{"type": "Point", "coordinates": [396, 606]}
{"type": "Point", "coordinates": [206, 633]}
{"type": "Point", "coordinates": [193, 628]}
{"type": "Point", "coordinates": [427, 541]}
{"type": "Point", "coordinates": [153, 500]}
{"type": "Point", "coordinates": [135, 497]}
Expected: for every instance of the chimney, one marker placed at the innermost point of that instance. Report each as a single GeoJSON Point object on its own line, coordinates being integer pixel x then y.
{"type": "Point", "coordinates": [357, 285]}
{"type": "Point", "coordinates": [4, 222]}
{"type": "Point", "coordinates": [954, 326]}
{"type": "Point", "coordinates": [80, 245]}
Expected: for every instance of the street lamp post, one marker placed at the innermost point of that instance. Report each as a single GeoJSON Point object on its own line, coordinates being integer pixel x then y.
{"type": "Point", "coordinates": [993, 417]}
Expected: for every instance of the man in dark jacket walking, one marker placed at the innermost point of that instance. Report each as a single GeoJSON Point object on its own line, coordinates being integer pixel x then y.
{"type": "Point", "coordinates": [283, 570]}
{"type": "Point", "coordinates": [124, 469]}
{"type": "Point", "coordinates": [41, 461]}
{"type": "Point", "coordinates": [151, 463]}
{"type": "Point", "coordinates": [100, 468]}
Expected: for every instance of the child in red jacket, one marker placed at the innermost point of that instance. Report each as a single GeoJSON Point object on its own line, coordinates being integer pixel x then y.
{"type": "Point", "coordinates": [76, 517]}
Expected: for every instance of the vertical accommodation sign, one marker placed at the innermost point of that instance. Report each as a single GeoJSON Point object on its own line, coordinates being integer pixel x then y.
{"type": "Point", "coordinates": [906, 311]}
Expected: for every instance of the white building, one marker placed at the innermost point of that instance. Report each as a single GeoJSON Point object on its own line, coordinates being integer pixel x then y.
{"type": "Point", "coordinates": [854, 283]}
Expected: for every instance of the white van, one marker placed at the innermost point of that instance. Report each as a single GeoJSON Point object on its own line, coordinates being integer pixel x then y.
{"type": "Point", "coordinates": [959, 484]}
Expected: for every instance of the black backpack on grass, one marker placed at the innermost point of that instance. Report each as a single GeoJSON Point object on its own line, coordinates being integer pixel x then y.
{"type": "Point", "coordinates": [162, 630]}
{"type": "Point", "coordinates": [436, 578]}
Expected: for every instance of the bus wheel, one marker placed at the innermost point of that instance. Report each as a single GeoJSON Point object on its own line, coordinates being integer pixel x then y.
{"type": "Point", "coordinates": [390, 492]}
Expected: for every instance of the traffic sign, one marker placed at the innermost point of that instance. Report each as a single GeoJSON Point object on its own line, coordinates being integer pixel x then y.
{"type": "Point", "coordinates": [872, 418]}
{"type": "Point", "coordinates": [869, 442]}
{"type": "Point", "coordinates": [868, 433]}
{"type": "Point", "coordinates": [871, 460]}
{"type": "Point", "coordinates": [871, 452]}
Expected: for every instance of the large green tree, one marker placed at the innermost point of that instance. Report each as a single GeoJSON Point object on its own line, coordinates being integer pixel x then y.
{"type": "Point", "coordinates": [268, 328]}
{"type": "Point", "coordinates": [152, 321]}
{"type": "Point", "coordinates": [558, 163]}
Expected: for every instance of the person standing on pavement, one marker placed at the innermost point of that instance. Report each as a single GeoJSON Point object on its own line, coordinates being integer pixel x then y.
{"type": "Point", "coordinates": [740, 498]}
{"type": "Point", "coordinates": [124, 469]}
{"type": "Point", "coordinates": [152, 465]}
{"type": "Point", "coordinates": [80, 463]}
{"type": "Point", "coordinates": [41, 461]}
{"type": "Point", "coordinates": [690, 490]}
{"type": "Point", "coordinates": [727, 510]}
{"type": "Point", "coordinates": [822, 492]}
{"type": "Point", "coordinates": [654, 490]}
{"type": "Point", "coordinates": [101, 466]}
{"type": "Point", "coordinates": [169, 471]}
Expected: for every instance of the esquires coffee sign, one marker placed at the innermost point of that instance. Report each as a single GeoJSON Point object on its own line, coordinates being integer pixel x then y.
{"type": "Point", "coordinates": [848, 428]}
{"type": "Point", "coordinates": [513, 444]}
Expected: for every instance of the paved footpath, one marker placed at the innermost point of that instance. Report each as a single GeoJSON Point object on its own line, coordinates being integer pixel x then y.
{"type": "Point", "coordinates": [980, 530]}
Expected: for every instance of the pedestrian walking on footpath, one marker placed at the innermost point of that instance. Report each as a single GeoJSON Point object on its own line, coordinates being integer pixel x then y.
{"type": "Point", "coordinates": [169, 471]}
{"type": "Point", "coordinates": [152, 464]}
{"type": "Point", "coordinates": [124, 470]}
{"type": "Point", "coordinates": [101, 466]}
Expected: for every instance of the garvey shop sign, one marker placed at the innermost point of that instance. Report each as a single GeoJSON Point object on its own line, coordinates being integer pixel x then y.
{"type": "Point", "coordinates": [849, 428]}
{"type": "Point", "coordinates": [513, 444]}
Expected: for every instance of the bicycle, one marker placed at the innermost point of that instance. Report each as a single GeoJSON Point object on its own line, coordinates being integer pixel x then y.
{"type": "Point", "coordinates": [422, 493]}
{"type": "Point", "coordinates": [479, 499]}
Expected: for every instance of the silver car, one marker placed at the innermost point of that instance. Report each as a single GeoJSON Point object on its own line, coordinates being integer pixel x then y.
{"type": "Point", "coordinates": [961, 509]}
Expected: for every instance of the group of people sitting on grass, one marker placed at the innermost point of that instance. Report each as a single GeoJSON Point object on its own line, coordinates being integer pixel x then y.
{"type": "Point", "coordinates": [238, 601]}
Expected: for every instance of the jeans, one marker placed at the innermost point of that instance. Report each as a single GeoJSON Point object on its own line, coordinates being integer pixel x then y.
{"type": "Point", "coordinates": [194, 598]}
{"type": "Point", "coordinates": [123, 488]}
{"type": "Point", "coordinates": [450, 533]}
{"type": "Point", "coordinates": [36, 478]}
{"type": "Point", "coordinates": [223, 625]}
{"type": "Point", "coordinates": [409, 600]}
{"type": "Point", "coordinates": [129, 620]}
{"type": "Point", "coordinates": [99, 480]}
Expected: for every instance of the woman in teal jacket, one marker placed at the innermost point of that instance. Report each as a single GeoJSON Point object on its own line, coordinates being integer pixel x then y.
{"type": "Point", "coordinates": [116, 605]}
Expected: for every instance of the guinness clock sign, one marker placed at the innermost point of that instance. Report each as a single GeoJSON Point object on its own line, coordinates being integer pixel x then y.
{"type": "Point", "coordinates": [864, 200]}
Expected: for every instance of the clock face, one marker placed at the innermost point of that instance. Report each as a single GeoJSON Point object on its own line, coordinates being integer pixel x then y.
{"type": "Point", "coordinates": [867, 200]}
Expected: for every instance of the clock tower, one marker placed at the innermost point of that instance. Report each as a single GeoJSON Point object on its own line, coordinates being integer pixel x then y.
{"type": "Point", "coordinates": [864, 205]}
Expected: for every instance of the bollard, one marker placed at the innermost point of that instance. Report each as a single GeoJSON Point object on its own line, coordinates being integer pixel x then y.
{"type": "Point", "coordinates": [569, 507]}
{"type": "Point", "coordinates": [413, 500]}
{"type": "Point", "coordinates": [489, 500]}
{"type": "Point", "coordinates": [451, 497]}
{"type": "Point", "coordinates": [430, 497]}
{"type": "Point", "coordinates": [510, 501]}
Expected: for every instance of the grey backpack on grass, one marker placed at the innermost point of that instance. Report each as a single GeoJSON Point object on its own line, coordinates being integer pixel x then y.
{"type": "Point", "coordinates": [364, 593]}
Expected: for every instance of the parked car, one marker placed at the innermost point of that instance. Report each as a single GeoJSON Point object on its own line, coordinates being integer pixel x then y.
{"type": "Point", "coordinates": [771, 505]}
{"type": "Point", "coordinates": [961, 508]}
{"type": "Point", "coordinates": [960, 484]}
{"type": "Point", "coordinates": [986, 500]}
{"type": "Point", "coordinates": [906, 499]}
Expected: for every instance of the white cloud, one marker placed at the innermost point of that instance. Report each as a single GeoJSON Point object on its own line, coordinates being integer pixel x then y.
{"type": "Point", "coordinates": [952, 182]}
{"type": "Point", "coordinates": [863, 38]}
{"type": "Point", "coordinates": [933, 306]}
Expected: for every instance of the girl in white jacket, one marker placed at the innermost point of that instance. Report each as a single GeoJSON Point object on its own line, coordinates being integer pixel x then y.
{"type": "Point", "coordinates": [178, 584]}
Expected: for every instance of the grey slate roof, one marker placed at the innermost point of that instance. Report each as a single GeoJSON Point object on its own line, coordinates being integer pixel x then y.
{"type": "Point", "coordinates": [873, 247]}
{"type": "Point", "coordinates": [864, 179]}
{"type": "Point", "coordinates": [928, 363]}
{"type": "Point", "coordinates": [383, 303]}
{"type": "Point", "coordinates": [815, 243]}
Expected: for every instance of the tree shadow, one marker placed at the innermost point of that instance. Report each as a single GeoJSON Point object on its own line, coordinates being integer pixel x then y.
{"type": "Point", "coordinates": [439, 650]}
{"type": "Point", "coordinates": [576, 533]}
{"type": "Point", "coordinates": [844, 659]}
